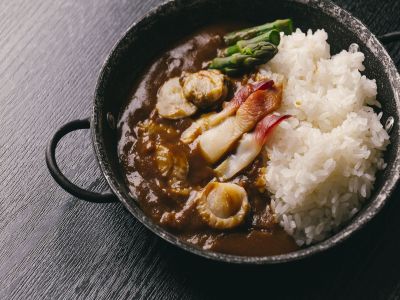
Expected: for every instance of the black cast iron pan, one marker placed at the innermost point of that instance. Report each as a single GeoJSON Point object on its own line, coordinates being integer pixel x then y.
{"type": "Point", "coordinates": [175, 19]}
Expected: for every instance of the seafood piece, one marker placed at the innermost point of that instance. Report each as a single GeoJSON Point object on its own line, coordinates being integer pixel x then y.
{"type": "Point", "coordinates": [249, 147]}
{"type": "Point", "coordinates": [223, 205]}
{"type": "Point", "coordinates": [171, 103]}
{"type": "Point", "coordinates": [210, 120]}
{"type": "Point", "coordinates": [164, 160]}
{"type": "Point", "coordinates": [181, 166]}
{"type": "Point", "coordinates": [154, 130]}
{"type": "Point", "coordinates": [173, 165]}
{"type": "Point", "coordinates": [185, 219]}
{"type": "Point", "coordinates": [258, 105]}
{"type": "Point", "coordinates": [204, 88]}
{"type": "Point", "coordinates": [216, 142]}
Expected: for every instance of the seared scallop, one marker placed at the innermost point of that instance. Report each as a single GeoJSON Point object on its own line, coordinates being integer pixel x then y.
{"type": "Point", "coordinates": [204, 88]}
{"type": "Point", "coordinates": [223, 205]}
{"type": "Point", "coordinates": [174, 167]}
{"type": "Point", "coordinates": [171, 164]}
{"type": "Point", "coordinates": [171, 103]}
{"type": "Point", "coordinates": [164, 160]}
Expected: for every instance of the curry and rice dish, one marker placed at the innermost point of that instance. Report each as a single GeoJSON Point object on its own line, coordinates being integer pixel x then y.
{"type": "Point", "coordinates": [252, 141]}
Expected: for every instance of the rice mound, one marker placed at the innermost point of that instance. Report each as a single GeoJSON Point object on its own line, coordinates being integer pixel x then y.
{"type": "Point", "coordinates": [322, 162]}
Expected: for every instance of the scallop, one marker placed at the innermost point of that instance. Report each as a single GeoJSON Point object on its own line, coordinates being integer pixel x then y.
{"type": "Point", "coordinates": [171, 103]}
{"type": "Point", "coordinates": [223, 205]}
{"type": "Point", "coordinates": [204, 88]}
{"type": "Point", "coordinates": [171, 164]}
{"type": "Point", "coordinates": [181, 166]}
{"type": "Point", "coordinates": [164, 160]}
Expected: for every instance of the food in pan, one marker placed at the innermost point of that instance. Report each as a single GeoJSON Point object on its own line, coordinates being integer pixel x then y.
{"type": "Point", "coordinates": [253, 141]}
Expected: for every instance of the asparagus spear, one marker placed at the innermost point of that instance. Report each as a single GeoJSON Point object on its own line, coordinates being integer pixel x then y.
{"type": "Point", "coordinates": [285, 25]}
{"type": "Point", "coordinates": [254, 54]}
{"type": "Point", "coordinates": [272, 36]}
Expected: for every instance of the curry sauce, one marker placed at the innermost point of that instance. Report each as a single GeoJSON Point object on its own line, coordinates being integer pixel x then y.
{"type": "Point", "coordinates": [164, 174]}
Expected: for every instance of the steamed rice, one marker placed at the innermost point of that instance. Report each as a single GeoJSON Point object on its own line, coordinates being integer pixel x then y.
{"type": "Point", "coordinates": [322, 163]}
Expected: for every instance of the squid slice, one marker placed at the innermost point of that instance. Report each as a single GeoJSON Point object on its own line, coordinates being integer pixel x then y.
{"type": "Point", "coordinates": [258, 105]}
{"type": "Point", "coordinates": [223, 205]}
{"type": "Point", "coordinates": [216, 142]}
{"type": "Point", "coordinates": [208, 121]}
{"type": "Point", "coordinates": [249, 147]}
{"type": "Point", "coordinates": [171, 103]}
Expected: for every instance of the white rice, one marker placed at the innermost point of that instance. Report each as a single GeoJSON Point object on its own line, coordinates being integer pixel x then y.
{"type": "Point", "coordinates": [322, 162]}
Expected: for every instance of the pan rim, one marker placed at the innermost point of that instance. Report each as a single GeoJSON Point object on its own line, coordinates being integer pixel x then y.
{"type": "Point", "coordinates": [387, 188]}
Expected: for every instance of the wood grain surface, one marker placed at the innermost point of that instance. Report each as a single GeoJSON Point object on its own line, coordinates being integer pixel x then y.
{"type": "Point", "coordinates": [54, 246]}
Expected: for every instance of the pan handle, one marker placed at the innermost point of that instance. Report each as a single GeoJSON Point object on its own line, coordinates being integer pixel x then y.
{"type": "Point", "coordinates": [59, 177]}
{"type": "Point", "coordinates": [390, 37]}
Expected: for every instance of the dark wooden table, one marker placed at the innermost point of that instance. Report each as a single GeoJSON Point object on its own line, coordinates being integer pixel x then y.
{"type": "Point", "coordinates": [53, 246]}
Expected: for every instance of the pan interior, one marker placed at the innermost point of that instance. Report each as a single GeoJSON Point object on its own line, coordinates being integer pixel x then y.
{"type": "Point", "coordinates": [172, 21]}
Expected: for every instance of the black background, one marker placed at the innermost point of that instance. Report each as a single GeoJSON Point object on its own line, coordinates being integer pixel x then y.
{"type": "Point", "coordinates": [54, 246]}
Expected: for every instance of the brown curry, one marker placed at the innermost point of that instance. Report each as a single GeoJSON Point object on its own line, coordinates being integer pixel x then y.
{"type": "Point", "coordinates": [165, 175]}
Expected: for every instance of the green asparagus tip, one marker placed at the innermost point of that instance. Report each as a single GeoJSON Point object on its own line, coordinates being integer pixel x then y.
{"type": "Point", "coordinates": [285, 25]}
{"type": "Point", "coordinates": [252, 56]}
{"type": "Point", "coordinates": [272, 37]}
